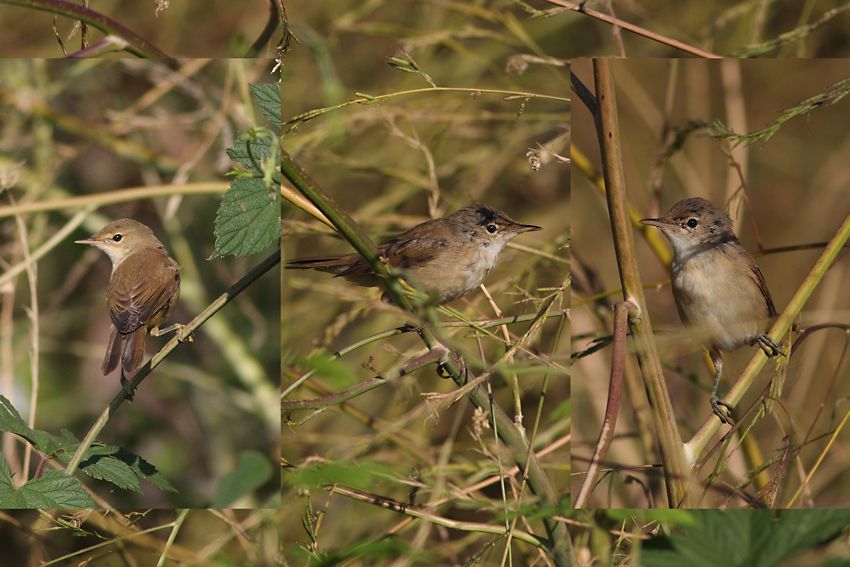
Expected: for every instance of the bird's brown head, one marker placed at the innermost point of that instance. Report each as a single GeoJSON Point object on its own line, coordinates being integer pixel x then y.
{"type": "Point", "coordinates": [122, 237]}
{"type": "Point", "coordinates": [693, 222]}
{"type": "Point", "coordinates": [489, 224]}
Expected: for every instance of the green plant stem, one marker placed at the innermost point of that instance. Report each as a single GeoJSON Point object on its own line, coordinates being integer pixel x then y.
{"type": "Point", "coordinates": [175, 529]}
{"type": "Point", "coordinates": [369, 99]}
{"type": "Point", "coordinates": [673, 460]}
{"type": "Point", "coordinates": [136, 44]}
{"type": "Point", "coordinates": [179, 337]}
{"type": "Point", "coordinates": [112, 197]}
{"type": "Point", "coordinates": [560, 543]}
{"type": "Point", "coordinates": [697, 444]}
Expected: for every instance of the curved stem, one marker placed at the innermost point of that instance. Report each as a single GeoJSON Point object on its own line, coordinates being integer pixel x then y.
{"type": "Point", "coordinates": [136, 44]}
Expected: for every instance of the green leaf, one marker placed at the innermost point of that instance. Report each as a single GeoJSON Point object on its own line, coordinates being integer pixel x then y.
{"type": "Point", "coordinates": [794, 532]}
{"type": "Point", "coordinates": [103, 462]}
{"type": "Point", "coordinates": [248, 219]}
{"type": "Point", "coordinates": [145, 470]}
{"type": "Point", "coordinates": [11, 421]}
{"type": "Point", "coordinates": [53, 489]}
{"type": "Point", "coordinates": [744, 538]}
{"type": "Point", "coordinates": [251, 472]}
{"type": "Point", "coordinates": [255, 150]}
{"type": "Point", "coordinates": [113, 471]}
{"type": "Point", "coordinates": [267, 96]}
{"type": "Point", "coordinates": [113, 464]}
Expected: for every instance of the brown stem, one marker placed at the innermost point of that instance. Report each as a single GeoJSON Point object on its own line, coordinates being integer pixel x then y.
{"type": "Point", "coordinates": [674, 43]}
{"type": "Point", "coordinates": [612, 406]}
{"type": "Point", "coordinates": [669, 440]}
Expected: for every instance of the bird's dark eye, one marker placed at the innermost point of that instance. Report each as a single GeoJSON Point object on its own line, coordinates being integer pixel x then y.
{"type": "Point", "coordinates": [491, 228]}
{"type": "Point", "coordinates": [118, 237]}
{"type": "Point", "coordinates": [692, 223]}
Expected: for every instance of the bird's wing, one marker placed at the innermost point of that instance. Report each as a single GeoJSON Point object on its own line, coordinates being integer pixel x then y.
{"type": "Point", "coordinates": [135, 300]}
{"type": "Point", "coordinates": [409, 250]}
{"type": "Point", "coordinates": [758, 277]}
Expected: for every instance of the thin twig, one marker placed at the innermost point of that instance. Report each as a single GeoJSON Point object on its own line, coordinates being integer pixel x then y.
{"type": "Point", "coordinates": [32, 279]}
{"type": "Point", "coordinates": [674, 43]}
{"type": "Point", "coordinates": [50, 244]}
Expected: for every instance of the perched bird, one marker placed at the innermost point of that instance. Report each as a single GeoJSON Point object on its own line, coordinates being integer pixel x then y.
{"type": "Point", "coordinates": [447, 257]}
{"type": "Point", "coordinates": [143, 289]}
{"type": "Point", "coordinates": [717, 286]}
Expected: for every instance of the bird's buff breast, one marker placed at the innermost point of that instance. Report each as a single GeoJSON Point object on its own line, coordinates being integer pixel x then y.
{"type": "Point", "coordinates": [457, 271]}
{"type": "Point", "coordinates": [719, 299]}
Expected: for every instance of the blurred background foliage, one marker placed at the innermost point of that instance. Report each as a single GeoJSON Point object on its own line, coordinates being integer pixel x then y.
{"type": "Point", "coordinates": [214, 538]}
{"type": "Point", "coordinates": [791, 190]}
{"type": "Point", "coordinates": [98, 128]}
{"type": "Point", "coordinates": [186, 28]}
{"type": "Point", "coordinates": [391, 164]}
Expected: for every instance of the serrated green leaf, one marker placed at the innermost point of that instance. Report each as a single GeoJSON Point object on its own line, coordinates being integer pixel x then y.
{"type": "Point", "coordinates": [256, 148]}
{"type": "Point", "coordinates": [793, 532]}
{"type": "Point", "coordinates": [53, 489]}
{"type": "Point", "coordinates": [744, 538]}
{"type": "Point", "coordinates": [145, 470]}
{"type": "Point", "coordinates": [11, 421]}
{"type": "Point", "coordinates": [251, 472]}
{"type": "Point", "coordinates": [267, 96]}
{"type": "Point", "coordinates": [248, 219]}
{"type": "Point", "coordinates": [112, 470]}
{"type": "Point", "coordinates": [113, 464]}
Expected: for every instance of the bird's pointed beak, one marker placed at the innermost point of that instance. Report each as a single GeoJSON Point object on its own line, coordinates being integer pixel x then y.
{"type": "Point", "coordinates": [660, 222]}
{"type": "Point", "coordinates": [528, 227]}
{"type": "Point", "coordinates": [88, 241]}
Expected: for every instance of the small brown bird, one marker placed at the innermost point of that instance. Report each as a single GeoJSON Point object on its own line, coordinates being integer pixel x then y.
{"type": "Point", "coordinates": [143, 288]}
{"type": "Point", "coordinates": [717, 286]}
{"type": "Point", "coordinates": [447, 257]}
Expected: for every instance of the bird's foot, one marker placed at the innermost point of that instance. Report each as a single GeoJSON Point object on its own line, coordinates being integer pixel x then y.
{"type": "Point", "coordinates": [770, 347]}
{"type": "Point", "coordinates": [188, 338]}
{"type": "Point", "coordinates": [722, 409]}
{"type": "Point", "coordinates": [129, 390]}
